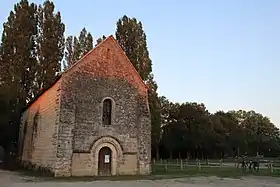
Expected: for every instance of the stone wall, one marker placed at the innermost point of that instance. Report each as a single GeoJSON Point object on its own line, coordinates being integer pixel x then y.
{"type": "Point", "coordinates": [82, 164]}
{"type": "Point", "coordinates": [88, 114]}
{"type": "Point", "coordinates": [144, 136]}
{"type": "Point", "coordinates": [104, 73]}
{"type": "Point", "coordinates": [65, 130]}
{"type": "Point", "coordinates": [130, 125]}
{"type": "Point", "coordinates": [40, 150]}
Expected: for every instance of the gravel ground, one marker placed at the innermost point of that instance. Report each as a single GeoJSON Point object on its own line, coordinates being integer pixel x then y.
{"type": "Point", "coordinates": [10, 179]}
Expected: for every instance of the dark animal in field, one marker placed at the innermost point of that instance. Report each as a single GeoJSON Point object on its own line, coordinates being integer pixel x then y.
{"type": "Point", "coordinates": [254, 165]}
{"type": "Point", "coordinates": [249, 165]}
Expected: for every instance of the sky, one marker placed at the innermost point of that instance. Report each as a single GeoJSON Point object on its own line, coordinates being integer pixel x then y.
{"type": "Point", "coordinates": [225, 54]}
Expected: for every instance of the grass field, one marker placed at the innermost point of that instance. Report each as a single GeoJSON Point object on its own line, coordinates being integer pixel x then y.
{"type": "Point", "coordinates": [220, 168]}
{"type": "Point", "coordinates": [210, 171]}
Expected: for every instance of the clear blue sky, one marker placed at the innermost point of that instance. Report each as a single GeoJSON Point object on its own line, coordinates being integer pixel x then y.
{"type": "Point", "coordinates": [225, 54]}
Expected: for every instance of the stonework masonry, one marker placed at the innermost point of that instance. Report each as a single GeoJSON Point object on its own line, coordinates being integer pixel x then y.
{"type": "Point", "coordinates": [76, 132]}
{"type": "Point", "coordinates": [41, 150]}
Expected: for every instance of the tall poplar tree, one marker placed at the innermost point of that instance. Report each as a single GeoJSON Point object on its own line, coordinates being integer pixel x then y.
{"type": "Point", "coordinates": [132, 38]}
{"type": "Point", "coordinates": [69, 51]}
{"type": "Point", "coordinates": [76, 47]}
{"type": "Point", "coordinates": [85, 42]}
{"type": "Point", "coordinates": [50, 44]}
{"type": "Point", "coordinates": [99, 40]}
{"type": "Point", "coordinates": [18, 63]}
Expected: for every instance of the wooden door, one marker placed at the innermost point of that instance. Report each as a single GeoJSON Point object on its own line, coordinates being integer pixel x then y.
{"type": "Point", "coordinates": [104, 161]}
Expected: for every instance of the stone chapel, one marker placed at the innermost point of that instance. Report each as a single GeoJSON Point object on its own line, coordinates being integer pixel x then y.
{"type": "Point", "coordinates": [94, 119]}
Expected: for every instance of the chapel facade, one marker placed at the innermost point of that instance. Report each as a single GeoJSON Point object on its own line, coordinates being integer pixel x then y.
{"type": "Point", "coordinates": [94, 120]}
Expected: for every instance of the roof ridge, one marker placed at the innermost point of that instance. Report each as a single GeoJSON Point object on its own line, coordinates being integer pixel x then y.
{"type": "Point", "coordinates": [90, 51]}
{"type": "Point", "coordinates": [134, 69]}
{"type": "Point", "coordinates": [118, 45]}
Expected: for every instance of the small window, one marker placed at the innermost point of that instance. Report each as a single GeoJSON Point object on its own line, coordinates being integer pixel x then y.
{"type": "Point", "coordinates": [107, 112]}
{"type": "Point", "coordinates": [108, 54]}
{"type": "Point", "coordinates": [35, 126]}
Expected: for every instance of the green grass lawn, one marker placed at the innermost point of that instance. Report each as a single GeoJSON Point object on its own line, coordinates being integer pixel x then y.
{"type": "Point", "coordinates": [210, 171]}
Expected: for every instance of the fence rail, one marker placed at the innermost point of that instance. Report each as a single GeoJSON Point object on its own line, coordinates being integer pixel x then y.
{"type": "Point", "coordinates": [177, 165]}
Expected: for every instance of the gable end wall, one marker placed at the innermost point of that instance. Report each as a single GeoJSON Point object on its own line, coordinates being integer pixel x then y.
{"type": "Point", "coordinates": [101, 74]}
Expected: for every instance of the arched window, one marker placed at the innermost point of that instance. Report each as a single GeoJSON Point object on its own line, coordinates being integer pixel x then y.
{"type": "Point", "coordinates": [34, 130]}
{"type": "Point", "coordinates": [107, 112]}
{"type": "Point", "coordinates": [35, 126]}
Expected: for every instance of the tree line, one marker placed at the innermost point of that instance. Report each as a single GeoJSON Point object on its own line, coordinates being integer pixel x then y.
{"type": "Point", "coordinates": [189, 130]}
{"type": "Point", "coordinates": [34, 51]}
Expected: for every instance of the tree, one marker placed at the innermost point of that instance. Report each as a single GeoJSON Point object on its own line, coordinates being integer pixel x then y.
{"type": "Point", "coordinates": [228, 135]}
{"type": "Point", "coordinates": [6, 127]}
{"type": "Point", "coordinates": [189, 130]}
{"type": "Point", "coordinates": [99, 40]}
{"type": "Point", "coordinates": [154, 105]}
{"type": "Point", "coordinates": [85, 42]}
{"type": "Point", "coordinates": [165, 108]}
{"type": "Point", "coordinates": [195, 122]}
{"type": "Point", "coordinates": [261, 136]}
{"type": "Point", "coordinates": [77, 47]}
{"type": "Point", "coordinates": [18, 64]}
{"type": "Point", "coordinates": [50, 44]}
{"type": "Point", "coordinates": [132, 38]}
{"type": "Point", "coordinates": [71, 54]}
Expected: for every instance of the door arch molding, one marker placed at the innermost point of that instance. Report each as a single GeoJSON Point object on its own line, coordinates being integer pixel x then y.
{"type": "Point", "coordinates": [116, 153]}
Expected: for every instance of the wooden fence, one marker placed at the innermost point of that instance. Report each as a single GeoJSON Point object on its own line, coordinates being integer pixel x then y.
{"type": "Point", "coordinates": [183, 164]}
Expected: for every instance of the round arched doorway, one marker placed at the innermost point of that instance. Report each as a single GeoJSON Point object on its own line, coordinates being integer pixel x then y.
{"type": "Point", "coordinates": [105, 161]}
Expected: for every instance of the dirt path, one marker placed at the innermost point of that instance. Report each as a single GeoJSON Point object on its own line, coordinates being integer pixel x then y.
{"type": "Point", "coordinates": [10, 179]}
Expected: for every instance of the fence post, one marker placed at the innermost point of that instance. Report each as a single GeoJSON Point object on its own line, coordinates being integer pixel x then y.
{"type": "Point", "coordinates": [271, 167]}
{"type": "Point", "coordinates": [220, 162]}
{"type": "Point", "coordinates": [154, 161]}
{"type": "Point", "coordinates": [165, 166]}
{"type": "Point", "coordinates": [161, 161]}
{"type": "Point", "coordinates": [182, 165]}
{"type": "Point", "coordinates": [199, 166]}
